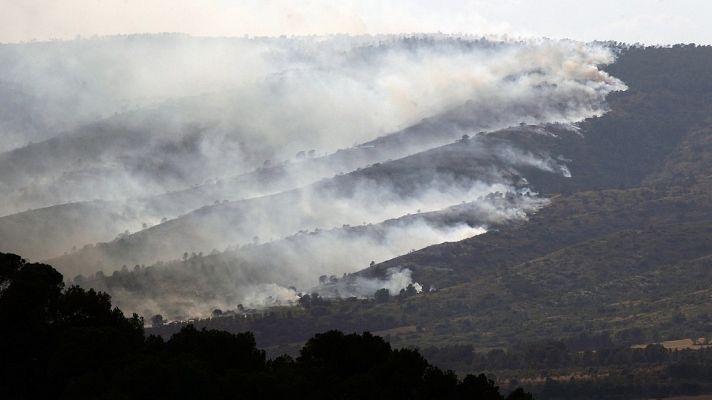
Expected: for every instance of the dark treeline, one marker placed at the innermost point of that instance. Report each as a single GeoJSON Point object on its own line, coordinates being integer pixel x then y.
{"type": "Point", "coordinates": [59, 342]}
{"type": "Point", "coordinates": [283, 325]}
{"type": "Point", "coordinates": [608, 373]}
{"type": "Point", "coordinates": [556, 355]}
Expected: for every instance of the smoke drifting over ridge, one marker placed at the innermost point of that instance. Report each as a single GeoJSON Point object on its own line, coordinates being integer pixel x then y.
{"type": "Point", "coordinates": [424, 182]}
{"type": "Point", "coordinates": [419, 185]}
{"type": "Point", "coordinates": [140, 121]}
{"type": "Point", "coordinates": [273, 273]}
{"type": "Point", "coordinates": [268, 100]}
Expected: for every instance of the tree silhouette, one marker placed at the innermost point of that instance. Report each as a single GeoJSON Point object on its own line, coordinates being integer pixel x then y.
{"type": "Point", "coordinates": [71, 343]}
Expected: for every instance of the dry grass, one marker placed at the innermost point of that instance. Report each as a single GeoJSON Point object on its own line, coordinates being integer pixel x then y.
{"type": "Point", "coordinates": [579, 376]}
{"type": "Point", "coordinates": [401, 330]}
{"type": "Point", "coordinates": [681, 344]}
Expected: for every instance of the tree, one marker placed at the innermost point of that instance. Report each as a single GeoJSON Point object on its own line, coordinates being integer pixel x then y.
{"type": "Point", "coordinates": [30, 292]}
{"type": "Point", "coordinates": [382, 295]}
{"type": "Point", "coordinates": [409, 291]}
{"type": "Point", "coordinates": [157, 320]}
{"type": "Point", "coordinates": [72, 343]}
{"type": "Point", "coordinates": [480, 387]}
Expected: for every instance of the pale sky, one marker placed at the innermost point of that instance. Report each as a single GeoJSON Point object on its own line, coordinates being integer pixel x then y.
{"type": "Point", "coordinates": [645, 21]}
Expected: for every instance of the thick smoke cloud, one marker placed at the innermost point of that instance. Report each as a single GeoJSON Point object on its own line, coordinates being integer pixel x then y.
{"type": "Point", "coordinates": [425, 182]}
{"type": "Point", "coordinates": [268, 100]}
{"type": "Point", "coordinates": [273, 273]}
{"type": "Point", "coordinates": [290, 154]}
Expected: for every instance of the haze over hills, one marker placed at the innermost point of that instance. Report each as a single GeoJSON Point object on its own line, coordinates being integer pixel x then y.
{"type": "Point", "coordinates": [658, 192]}
{"type": "Point", "coordinates": [428, 181]}
{"type": "Point", "coordinates": [166, 183]}
{"type": "Point", "coordinates": [576, 207]}
{"type": "Point", "coordinates": [266, 155]}
{"type": "Point", "coordinates": [619, 255]}
{"type": "Point", "coordinates": [516, 207]}
{"type": "Point", "coordinates": [218, 130]}
{"type": "Point", "coordinates": [652, 148]}
{"type": "Point", "coordinates": [590, 166]}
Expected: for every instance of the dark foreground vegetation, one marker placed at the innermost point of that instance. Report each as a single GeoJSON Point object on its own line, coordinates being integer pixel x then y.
{"type": "Point", "coordinates": [560, 370]}
{"type": "Point", "coordinates": [61, 342]}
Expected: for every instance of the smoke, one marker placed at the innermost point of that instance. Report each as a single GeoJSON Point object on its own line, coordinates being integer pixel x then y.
{"type": "Point", "coordinates": [284, 158]}
{"type": "Point", "coordinates": [267, 275]}
{"type": "Point", "coordinates": [274, 273]}
{"type": "Point", "coordinates": [429, 181]}
{"type": "Point", "coordinates": [396, 279]}
{"type": "Point", "coordinates": [215, 108]}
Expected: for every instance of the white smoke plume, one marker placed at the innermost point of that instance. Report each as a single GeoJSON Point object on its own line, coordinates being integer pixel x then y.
{"type": "Point", "coordinates": [260, 275]}
{"type": "Point", "coordinates": [244, 102]}
{"type": "Point", "coordinates": [283, 151]}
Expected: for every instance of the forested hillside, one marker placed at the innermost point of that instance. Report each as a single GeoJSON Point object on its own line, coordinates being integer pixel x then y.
{"type": "Point", "coordinates": [619, 257]}
{"type": "Point", "coordinates": [634, 145]}
{"type": "Point", "coordinates": [546, 222]}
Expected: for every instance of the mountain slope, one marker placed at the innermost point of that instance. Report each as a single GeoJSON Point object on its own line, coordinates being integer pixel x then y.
{"type": "Point", "coordinates": [622, 252]}
{"type": "Point", "coordinates": [430, 181]}
{"type": "Point", "coordinates": [51, 231]}
{"type": "Point", "coordinates": [650, 133]}
{"type": "Point", "coordinates": [566, 221]}
{"type": "Point", "coordinates": [152, 209]}
{"type": "Point", "coordinates": [571, 253]}
{"type": "Point", "coordinates": [625, 280]}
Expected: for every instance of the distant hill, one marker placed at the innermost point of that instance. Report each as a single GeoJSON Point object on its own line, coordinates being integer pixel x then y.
{"type": "Point", "coordinates": [597, 260]}
{"type": "Point", "coordinates": [454, 172]}
{"type": "Point", "coordinates": [236, 119]}
{"type": "Point", "coordinates": [655, 143]}
{"type": "Point", "coordinates": [622, 250]}
{"type": "Point", "coordinates": [51, 231]}
{"type": "Point", "coordinates": [55, 154]}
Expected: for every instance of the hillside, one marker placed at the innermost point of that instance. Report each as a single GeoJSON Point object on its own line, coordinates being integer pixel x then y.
{"type": "Point", "coordinates": [288, 138]}
{"type": "Point", "coordinates": [628, 261]}
{"type": "Point", "coordinates": [49, 223]}
{"type": "Point", "coordinates": [268, 274]}
{"type": "Point", "coordinates": [611, 261]}
{"type": "Point", "coordinates": [47, 232]}
{"type": "Point", "coordinates": [568, 220]}
{"type": "Point", "coordinates": [624, 166]}
{"type": "Point", "coordinates": [550, 196]}
{"type": "Point", "coordinates": [653, 142]}
{"type": "Point", "coordinates": [427, 181]}
{"type": "Point", "coordinates": [560, 288]}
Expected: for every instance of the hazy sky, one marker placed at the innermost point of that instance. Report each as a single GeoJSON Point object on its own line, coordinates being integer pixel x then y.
{"type": "Point", "coordinates": [647, 21]}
